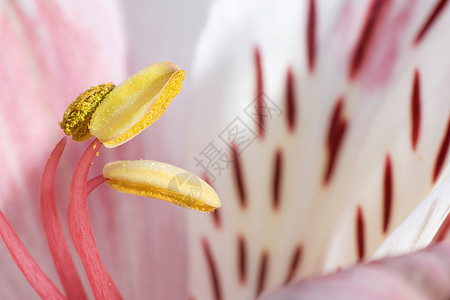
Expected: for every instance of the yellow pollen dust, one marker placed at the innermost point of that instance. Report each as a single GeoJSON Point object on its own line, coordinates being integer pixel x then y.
{"type": "Point", "coordinates": [172, 89]}
{"type": "Point", "coordinates": [79, 113]}
{"type": "Point", "coordinates": [136, 103]}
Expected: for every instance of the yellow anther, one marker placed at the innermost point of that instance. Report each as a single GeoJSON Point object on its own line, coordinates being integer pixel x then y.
{"type": "Point", "coordinates": [78, 115]}
{"type": "Point", "coordinates": [162, 181]}
{"type": "Point", "coordinates": [136, 103]}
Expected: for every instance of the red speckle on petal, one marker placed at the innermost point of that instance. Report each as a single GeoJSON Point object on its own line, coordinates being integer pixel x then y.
{"type": "Point", "coordinates": [215, 214]}
{"type": "Point", "coordinates": [387, 192]}
{"type": "Point", "coordinates": [291, 112]}
{"type": "Point", "coordinates": [242, 260]}
{"type": "Point", "coordinates": [237, 170]}
{"type": "Point", "coordinates": [336, 133]}
{"type": "Point", "coordinates": [311, 35]}
{"type": "Point", "coordinates": [212, 270]}
{"type": "Point", "coordinates": [360, 234]}
{"type": "Point", "coordinates": [442, 153]}
{"type": "Point", "coordinates": [206, 178]}
{"type": "Point", "coordinates": [276, 179]}
{"type": "Point", "coordinates": [415, 110]}
{"type": "Point", "coordinates": [259, 93]}
{"type": "Point", "coordinates": [262, 273]}
{"type": "Point", "coordinates": [295, 264]}
{"type": "Point", "coordinates": [431, 19]}
{"type": "Point", "coordinates": [374, 13]}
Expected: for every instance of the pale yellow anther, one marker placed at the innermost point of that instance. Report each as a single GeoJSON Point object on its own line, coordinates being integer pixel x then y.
{"type": "Point", "coordinates": [136, 103]}
{"type": "Point", "coordinates": [162, 181]}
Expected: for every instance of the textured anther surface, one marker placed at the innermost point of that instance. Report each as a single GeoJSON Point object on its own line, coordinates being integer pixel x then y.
{"type": "Point", "coordinates": [162, 181]}
{"type": "Point", "coordinates": [79, 113]}
{"type": "Point", "coordinates": [136, 103]}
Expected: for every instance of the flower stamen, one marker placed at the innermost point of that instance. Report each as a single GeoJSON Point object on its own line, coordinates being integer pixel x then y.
{"type": "Point", "coordinates": [162, 181]}
{"type": "Point", "coordinates": [136, 103]}
{"type": "Point", "coordinates": [81, 230]}
{"type": "Point", "coordinates": [79, 113]}
{"type": "Point", "coordinates": [30, 269]}
{"type": "Point", "coordinates": [56, 240]}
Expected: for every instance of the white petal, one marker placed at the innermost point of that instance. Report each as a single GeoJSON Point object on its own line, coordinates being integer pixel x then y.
{"type": "Point", "coordinates": [420, 227]}
{"type": "Point", "coordinates": [376, 106]}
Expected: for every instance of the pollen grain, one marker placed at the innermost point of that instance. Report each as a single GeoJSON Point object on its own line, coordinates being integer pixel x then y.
{"type": "Point", "coordinates": [78, 115]}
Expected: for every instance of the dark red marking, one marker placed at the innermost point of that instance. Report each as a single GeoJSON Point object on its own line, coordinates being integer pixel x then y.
{"type": "Point", "coordinates": [212, 270]}
{"type": "Point", "coordinates": [207, 179]}
{"type": "Point", "coordinates": [262, 273]}
{"type": "Point", "coordinates": [438, 9]}
{"type": "Point", "coordinates": [363, 45]}
{"type": "Point", "coordinates": [415, 110]}
{"type": "Point", "coordinates": [237, 169]}
{"type": "Point", "coordinates": [215, 214]}
{"type": "Point", "coordinates": [336, 132]}
{"type": "Point", "coordinates": [217, 218]}
{"type": "Point", "coordinates": [291, 112]}
{"type": "Point", "coordinates": [242, 260]}
{"type": "Point", "coordinates": [295, 264]}
{"type": "Point", "coordinates": [311, 35]}
{"type": "Point", "coordinates": [360, 234]}
{"type": "Point", "coordinates": [276, 179]}
{"type": "Point", "coordinates": [443, 232]}
{"type": "Point", "coordinates": [388, 191]}
{"type": "Point", "coordinates": [259, 93]}
{"type": "Point", "coordinates": [442, 153]}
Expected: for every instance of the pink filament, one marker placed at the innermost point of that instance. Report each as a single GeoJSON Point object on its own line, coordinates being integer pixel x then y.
{"type": "Point", "coordinates": [33, 273]}
{"type": "Point", "coordinates": [53, 230]}
{"type": "Point", "coordinates": [81, 230]}
{"type": "Point", "coordinates": [58, 247]}
{"type": "Point", "coordinates": [93, 183]}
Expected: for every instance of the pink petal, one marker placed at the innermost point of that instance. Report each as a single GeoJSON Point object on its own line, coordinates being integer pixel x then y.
{"type": "Point", "coordinates": [48, 58]}
{"type": "Point", "coordinates": [418, 276]}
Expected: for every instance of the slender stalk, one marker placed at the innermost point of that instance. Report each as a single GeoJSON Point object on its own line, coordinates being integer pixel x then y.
{"type": "Point", "coordinates": [81, 230]}
{"type": "Point", "coordinates": [56, 240]}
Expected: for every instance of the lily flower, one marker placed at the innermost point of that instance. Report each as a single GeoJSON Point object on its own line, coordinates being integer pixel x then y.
{"type": "Point", "coordinates": [348, 119]}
